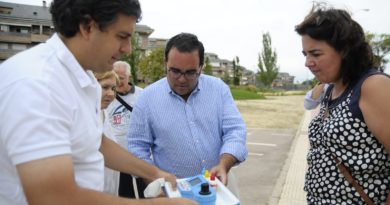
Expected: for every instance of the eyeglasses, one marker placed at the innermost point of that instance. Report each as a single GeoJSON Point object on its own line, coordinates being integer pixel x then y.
{"type": "Point", "coordinates": [189, 75]}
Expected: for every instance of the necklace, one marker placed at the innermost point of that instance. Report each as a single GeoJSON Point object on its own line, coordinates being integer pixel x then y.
{"type": "Point", "coordinates": [332, 103]}
{"type": "Point", "coordinates": [327, 102]}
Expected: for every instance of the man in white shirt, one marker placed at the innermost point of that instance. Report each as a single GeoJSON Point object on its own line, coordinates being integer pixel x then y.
{"type": "Point", "coordinates": [50, 135]}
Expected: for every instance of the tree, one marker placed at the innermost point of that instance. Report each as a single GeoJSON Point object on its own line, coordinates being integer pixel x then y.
{"type": "Point", "coordinates": [380, 44]}
{"type": "Point", "coordinates": [208, 70]}
{"type": "Point", "coordinates": [226, 76]}
{"type": "Point", "coordinates": [268, 69]}
{"type": "Point", "coordinates": [236, 71]}
{"type": "Point", "coordinates": [152, 66]}
{"type": "Point", "coordinates": [134, 58]}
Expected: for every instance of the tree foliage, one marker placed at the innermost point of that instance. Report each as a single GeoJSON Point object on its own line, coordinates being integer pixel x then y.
{"type": "Point", "coordinates": [134, 58]}
{"type": "Point", "coordinates": [236, 71]}
{"type": "Point", "coordinates": [152, 66]}
{"type": "Point", "coordinates": [380, 44]}
{"type": "Point", "coordinates": [208, 70]}
{"type": "Point", "coordinates": [268, 68]}
{"type": "Point", "coordinates": [226, 77]}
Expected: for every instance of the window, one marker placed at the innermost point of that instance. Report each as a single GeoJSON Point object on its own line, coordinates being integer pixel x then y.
{"type": "Point", "coordinates": [4, 28]}
{"type": "Point", "coordinates": [35, 29]}
{"type": "Point", "coordinates": [3, 46]}
{"type": "Point", "coordinates": [19, 29]}
{"type": "Point", "coordinates": [46, 30]}
{"type": "Point", "coordinates": [19, 47]}
{"type": "Point", "coordinates": [5, 10]}
{"type": "Point", "coordinates": [24, 30]}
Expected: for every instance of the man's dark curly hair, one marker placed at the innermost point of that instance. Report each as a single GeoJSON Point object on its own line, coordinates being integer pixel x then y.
{"type": "Point", "coordinates": [340, 31]}
{"type": "Point", "coordinates": [67, 15]}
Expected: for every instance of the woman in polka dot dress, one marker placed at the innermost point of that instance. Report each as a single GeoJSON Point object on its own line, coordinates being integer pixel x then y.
{"type": "Point", "coordinates": [354, 119]}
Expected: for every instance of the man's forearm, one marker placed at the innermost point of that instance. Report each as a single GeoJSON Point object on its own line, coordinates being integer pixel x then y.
{"type": "Point", "coordinates": [55, 178]}
{"type": "Point", "coordinates": [227, 161]}
{"type": "Point", "coordinates": [119, 159]}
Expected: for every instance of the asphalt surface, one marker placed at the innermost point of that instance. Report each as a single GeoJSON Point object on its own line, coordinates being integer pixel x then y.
{"type": "Point", "coordinates": [258, 175]}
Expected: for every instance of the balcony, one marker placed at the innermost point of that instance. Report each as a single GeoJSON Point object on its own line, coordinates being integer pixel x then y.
{"type": "Point", "coordinates": [5, 54]}
{"type": "Point", "coordinates": [39, 38]}
{"type": "Point", "coordinates": [15, 37]}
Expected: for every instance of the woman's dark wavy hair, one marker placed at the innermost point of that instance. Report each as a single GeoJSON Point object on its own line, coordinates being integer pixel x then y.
{"type": "Point", "coordinates": [185, 42]}
{"type": "Point", "coordinates": [340, 31]}
{"type": "Point", "coordinates": [67, 15]}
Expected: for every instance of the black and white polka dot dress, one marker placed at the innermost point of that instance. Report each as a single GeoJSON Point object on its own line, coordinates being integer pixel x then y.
{"type": "Point", "coordinates": [345, 134]}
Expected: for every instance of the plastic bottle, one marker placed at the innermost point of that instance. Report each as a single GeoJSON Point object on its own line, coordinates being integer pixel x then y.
{"type": "Point", "coordinates": [212, 181]}
{"type": "Point", "coordinates": [207, 174]}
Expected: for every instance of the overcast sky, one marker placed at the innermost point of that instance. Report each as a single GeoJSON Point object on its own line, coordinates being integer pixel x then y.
{"type": "Point", "coordinates": [232, 28]}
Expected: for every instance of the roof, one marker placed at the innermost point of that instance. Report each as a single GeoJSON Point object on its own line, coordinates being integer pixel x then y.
{"type": "Point", "coordinates": [143, 29]}
{"type": "Point", "coordinates": [25, 12]}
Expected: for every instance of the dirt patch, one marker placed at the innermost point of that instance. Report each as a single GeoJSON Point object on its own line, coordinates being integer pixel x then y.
{"type": "Point", "coordinates": [273, 112]}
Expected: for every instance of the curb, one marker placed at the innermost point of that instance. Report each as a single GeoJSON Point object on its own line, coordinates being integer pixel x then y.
{"type": "Point", "coordinates": [289, 185]}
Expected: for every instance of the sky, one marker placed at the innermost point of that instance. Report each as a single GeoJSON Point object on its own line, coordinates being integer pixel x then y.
{"type": "Point", "coordinates": [231, 28]}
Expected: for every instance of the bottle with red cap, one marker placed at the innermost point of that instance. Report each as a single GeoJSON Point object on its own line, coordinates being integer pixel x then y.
{"type": "Point", "coordinates": [212, 181]}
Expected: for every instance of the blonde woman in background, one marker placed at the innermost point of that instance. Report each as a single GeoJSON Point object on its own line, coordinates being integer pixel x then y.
{"type": "Point", "coordinates": [108, 81]}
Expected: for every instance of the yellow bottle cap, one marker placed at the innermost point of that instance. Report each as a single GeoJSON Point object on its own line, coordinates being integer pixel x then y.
{"type": "Point", "coordinates": [206, 174]}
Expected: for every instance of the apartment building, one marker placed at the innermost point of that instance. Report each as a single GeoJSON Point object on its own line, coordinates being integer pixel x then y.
{"type": "Point", "coordinates": [284, 81]}
{"type": "Point", "coordinates": [222, 68]}
{"type": "Point", "coordinates": [23, 26]}
{"type": "Point", "coordinates": [155, 43]}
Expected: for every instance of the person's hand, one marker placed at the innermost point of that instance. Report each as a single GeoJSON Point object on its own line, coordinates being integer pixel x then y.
{"type": "Point", "coordinates": [220, 172]}
{"type": "Point", "coordinates": [168, 178]}
{"type": "Point", "coordinates": [317, 91]}
{"type": "Point", "coordinates": [226, 161]}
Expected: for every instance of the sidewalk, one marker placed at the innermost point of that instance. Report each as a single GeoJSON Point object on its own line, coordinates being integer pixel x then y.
{"type": "Point", "coordinates": [289, 187]}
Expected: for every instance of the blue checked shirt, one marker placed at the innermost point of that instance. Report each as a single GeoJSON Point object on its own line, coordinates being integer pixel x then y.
{"type": "Point", "coordinates": [183, 137]}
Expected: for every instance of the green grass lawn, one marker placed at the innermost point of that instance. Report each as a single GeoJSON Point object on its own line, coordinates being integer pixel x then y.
{"type": "Point", "coordinates": [251, 93]}
{"type": "Point", "coordinates": [242, 94]}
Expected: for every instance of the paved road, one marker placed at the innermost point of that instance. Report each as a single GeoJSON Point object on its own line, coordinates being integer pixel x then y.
{"type": "Point", "coordinates": [268, 151]}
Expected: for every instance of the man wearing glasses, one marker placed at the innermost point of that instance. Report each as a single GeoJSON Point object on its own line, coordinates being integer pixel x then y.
{"type": "Point", "coordinates": [51, 146]}
{"type": "Point", "coordinates": [188, 121]}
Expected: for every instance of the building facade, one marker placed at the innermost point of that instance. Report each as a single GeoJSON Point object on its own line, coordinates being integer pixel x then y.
{"type": "Point", "coordinates": [223, 69]}
{"type": "Point", "coordinates": [155, 43]}
{"type": "Point", "coordinates": [284, 81]}
{"type": "Point", "coordinates": [23, 26]}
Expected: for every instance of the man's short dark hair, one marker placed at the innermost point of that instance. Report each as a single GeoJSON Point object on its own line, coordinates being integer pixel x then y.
{"type": "Point", "coordinates": [185, 42]}
{"type": "Point", "coordinates": [67, 15]}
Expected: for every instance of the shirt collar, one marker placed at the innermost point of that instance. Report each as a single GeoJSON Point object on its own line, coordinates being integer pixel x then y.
{"type": "Point", "coordinates": [69, 61]}
{"type": "Point", "coordinates": [131, 91]}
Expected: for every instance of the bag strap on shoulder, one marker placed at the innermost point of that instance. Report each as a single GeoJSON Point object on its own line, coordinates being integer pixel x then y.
{"type": "Point", "coordinates": [124, 103]}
